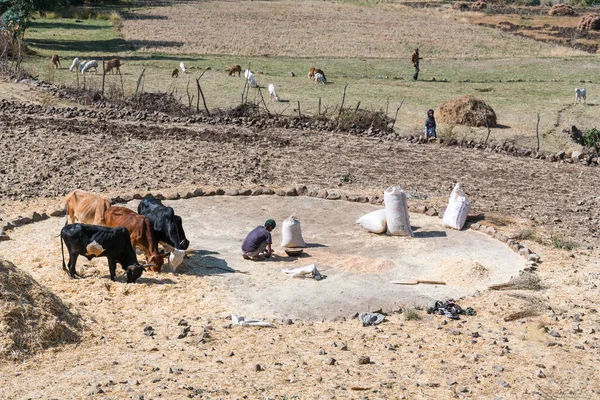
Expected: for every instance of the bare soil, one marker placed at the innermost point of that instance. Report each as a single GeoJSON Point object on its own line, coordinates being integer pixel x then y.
{"type": "Point", "coordinates": [522, 343]}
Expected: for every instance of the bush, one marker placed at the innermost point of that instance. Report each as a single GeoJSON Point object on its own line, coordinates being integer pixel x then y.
{"type": "Point", "coordinates": [564, 244]}
{"type": "Point", "coordinates": [589, 138]}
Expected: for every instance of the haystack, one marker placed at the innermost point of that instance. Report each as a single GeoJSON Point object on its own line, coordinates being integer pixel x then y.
{"type": "Point", "coordinates": [31, 317]}
{"type": "Point", "coordinates": [561, 9]}
{"type": "Point", "coordinates": [590, 22]}
{"type": "Point", "coordinates": [461, 5]}
{"type": "Point", "coordinates": [466, 110]}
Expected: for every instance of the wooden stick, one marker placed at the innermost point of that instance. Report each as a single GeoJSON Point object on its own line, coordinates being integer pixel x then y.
{"type": "Point", "coordinates": [417, 281]}
{"type": "Point", "coordinates": [103, 76]}
{"type": "Point", "coordinates": [139, 80]}
{"type": "Point", "coordinates": [299, 113]}
{"type": "Point", "coordinates": [343, 99]}
{"type": "Point", "coordinates": [201, 94]}
{"type": "Point", "coordinates": [396, 116]}
{"type": "Point", "coordinates": [537, 133]}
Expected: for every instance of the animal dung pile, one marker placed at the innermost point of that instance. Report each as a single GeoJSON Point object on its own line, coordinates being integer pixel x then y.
{"type": "Point", "coordinates": [466, 110]}
{"type": "Point", "coordinates": [561, 9]}
{"type": "Point", "coordinates": [31, 317]}
{"type": "Point", "coordinates": [590, 22]}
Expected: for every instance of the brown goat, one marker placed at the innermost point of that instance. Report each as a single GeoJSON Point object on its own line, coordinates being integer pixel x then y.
{"type": "Point", "coordinates": [175, 73]}
{"type": "Point", "coordinates": [55, 61]}
{"type": "Point", "coordinates": [114, 63]}
{"type": "Point", "coordinates": [234, 69]}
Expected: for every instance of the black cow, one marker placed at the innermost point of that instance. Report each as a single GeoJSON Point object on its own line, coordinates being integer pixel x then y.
{"type": "Point", "coordinates": [166, 225]}
{"type": "Point", "coordinates": [99, 241]}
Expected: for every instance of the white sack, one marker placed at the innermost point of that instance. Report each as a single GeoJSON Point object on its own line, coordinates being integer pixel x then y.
{"type": "Point", "coordinates": [458, 209]}
{"type": "Point", "coordinates": [396, 212]}
{"type": "Point", "coordinates": [291, 234]}
{"type": "Point", "coordinates": [241, 320]}
{"type": "Point", "coordinates": [374, 221]}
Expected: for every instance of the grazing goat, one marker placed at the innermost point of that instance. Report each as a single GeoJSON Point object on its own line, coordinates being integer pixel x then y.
{"type": "Point", "coordinates": [579, 95]}
{"type": "Point", "coordinates": [313, 71]}
{"type": "Point", "coordinates": [182, 66]}
{"type": "Point", "coordinates": [175, 73]}
{"type": "Point", "coordinates": [74, 64]}
{"type": "Point", "coordinates": [234, 69]}
{"type": "Point", "coordinates": [81, 65]}
{"type": "Point", "coordinates": [55, 61]}
{"type": "Point", "coordinates": [250, 78]}
{"type": "Point", "coordinates": [114, 63]}
{"type": "Point", "coordinates": [89, 65]}
{"type": "Point", "coordinates": [273, 93]}
{"type": "Point", "coordinates": [320, 78]}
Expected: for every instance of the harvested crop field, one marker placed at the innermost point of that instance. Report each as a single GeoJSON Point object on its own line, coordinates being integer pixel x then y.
{"type": "Point", "coordinates": [317, 29]}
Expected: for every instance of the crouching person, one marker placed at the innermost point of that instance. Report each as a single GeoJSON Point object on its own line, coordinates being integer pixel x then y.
{"type": "Point", "coordinates": [259, 242]}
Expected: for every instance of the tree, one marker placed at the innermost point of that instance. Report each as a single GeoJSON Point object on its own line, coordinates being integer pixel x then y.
{"type": "Point", "coordinates": [16, 14]}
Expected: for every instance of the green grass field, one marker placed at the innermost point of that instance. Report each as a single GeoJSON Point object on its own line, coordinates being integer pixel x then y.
{"type": "Point", "coordinates": [547, 77]}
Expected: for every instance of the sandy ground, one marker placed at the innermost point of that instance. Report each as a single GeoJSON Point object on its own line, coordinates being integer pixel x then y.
{"type": "Point", "coordinates": [539, 344]}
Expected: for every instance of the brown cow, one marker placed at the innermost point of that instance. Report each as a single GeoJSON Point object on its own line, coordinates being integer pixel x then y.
{"type": "Point", "coordinates": [86, 207]}
{"type": "Point", "coordinates": [175, 73]}
{"type": "Point", "coordinates": [55, 61]}
{"type": "Point", "coordinates": [234, 69]}
{"type": "Point", "coordinates": [140, 233]}
{"type": "Point", "coordinates": [313, 71]}
{"type": "Point", "coordinates": [114, 63]}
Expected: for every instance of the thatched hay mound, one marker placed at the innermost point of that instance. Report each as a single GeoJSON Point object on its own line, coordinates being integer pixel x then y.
{"type": "Point", "coordinates": [466, 110]}
{"type": "Point", "coordinates": [590, 22]}
{"type": "Point", "coordinates": [479, 5]}
{"type": "Point", "coordinates": [561, 9]}
{"type": "Point", "coordinates": [31, 317]}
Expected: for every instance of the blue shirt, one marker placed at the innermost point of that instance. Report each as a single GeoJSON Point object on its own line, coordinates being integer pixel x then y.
{"type": "Point", "coordinates": [255, 238]}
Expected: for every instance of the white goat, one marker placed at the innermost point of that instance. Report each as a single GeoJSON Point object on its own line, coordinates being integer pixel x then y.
{"type": "Point", "coordinates": [182, 66]}
{"type": "Point", "coordinates": [82, 64]}
{"type": "Point", "coordinates": [579, 95]}
{"type": "Point", "coordinates": [250, 78]}
{"type": "Point", "coordinates": [75, 64]}
{"type": "Point", "coordinates": [273, 92]}
{"type": "Point", "coordinates": [89, 65]}
{"type": "Point", "coordinates": [319, 78]}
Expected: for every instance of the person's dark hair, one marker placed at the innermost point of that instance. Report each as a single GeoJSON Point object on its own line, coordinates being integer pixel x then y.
{"type": "Point", "coordinates": [270, 223]}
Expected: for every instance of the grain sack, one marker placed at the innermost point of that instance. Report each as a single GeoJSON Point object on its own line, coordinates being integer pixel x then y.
{"type": "Point", "coordinates": [374, 222]}
{"type": "Point", "coordinates": [291, 234]}
{"type": "Point", "coordinates": [396, 212]}
{"type": "Point", "coordinates": [457, 210]}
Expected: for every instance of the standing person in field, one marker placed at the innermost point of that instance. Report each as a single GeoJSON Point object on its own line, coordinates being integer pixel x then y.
{"type": "Point", "coordinates": [414, 59]}
{"type": "Point", "coordinates": [259, 241]}
{"type": "Point", "coordinates": [430, 126]}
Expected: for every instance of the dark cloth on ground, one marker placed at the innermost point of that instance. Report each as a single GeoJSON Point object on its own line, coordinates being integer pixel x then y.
{"type": "Point", "coordinates": [449, 309]}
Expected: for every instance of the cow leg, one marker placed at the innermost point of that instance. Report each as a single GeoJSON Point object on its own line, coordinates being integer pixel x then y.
{"type": "Point", "coordinates": [112, 267]}
{"type": "Point", "coordinates": [72, 264]}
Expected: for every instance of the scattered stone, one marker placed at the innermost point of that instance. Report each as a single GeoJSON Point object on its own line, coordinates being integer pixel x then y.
{"type": "Point", "coordinates": [198, 192]}
{"type": "Point", "coordinates": [503, 383]}
{"type": "Point", "coordinates": [554, 333]}
{"type": "Point", "coordinates": [333, 196]}
{"type": "Point", "coordinates": [462, 389]}
{"type": "Point", "coordinates": [4, 237]}
{"type": "Point", "coordinates": [182, 322]}
{"type": "Point", "coordinates": [322, 352]}
{"type": "Point", "coordinates": [280, 193]}
{"type": "Point", "coordinates": [258, 368]}
{"type": "Point", "coordinates": [184, 332]}
{"type": "Point", "coordinates": [499, 368]}
{"type": "Point", "coordinates": [149, 331]}
{"type": "Point", "coordinates": [291, 192]}
{"type": "Point", "coordinates": [219, 192]}
{"type": "Point", "coordinates": [331, 361]}
{"type": "Point", "coordinates": [232, 192]}
{"type": "Point", "coordinates": [362, 360]}
{"type": "Point", "coordinates": [36, 217]}
{"type": "Point", "coordinates": [419, 209]}
{"type": "Point", "coordinates": [432, 212]}
{"type": "Point", "coordinates": [540, 374]}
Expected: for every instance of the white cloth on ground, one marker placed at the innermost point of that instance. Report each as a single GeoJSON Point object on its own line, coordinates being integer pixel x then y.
{"type": "Point", "coordinates": [302, 272]}
{"type": "Point", "coordinates": [241, 320]}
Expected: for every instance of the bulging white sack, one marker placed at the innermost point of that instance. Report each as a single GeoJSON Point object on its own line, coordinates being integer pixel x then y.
{"type": "Point", "coordinates": [457, 210]}
{"type": "Point", "coordinates": [396, 212]}
{"type": "Point", "coordinates": [374, 221]}
{"type": "Point", "coordinates": [291, 234]}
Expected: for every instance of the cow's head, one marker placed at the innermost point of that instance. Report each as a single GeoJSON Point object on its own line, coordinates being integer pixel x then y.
{"type": "Point", "coordinates": [156, 262]}
{"type": "Point", "coordinates": [177, 235]}
{"type": "Point", "coordinates": [134, 272]}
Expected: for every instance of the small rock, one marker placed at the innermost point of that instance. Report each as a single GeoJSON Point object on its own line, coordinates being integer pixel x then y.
{"type": "Point", "coordinates": [420, 209]}
{"type": "Point", "coordinates": [199, 192]}
{"type": "Point", "coordinates": [184, 332]}
{"type": "Point", "coordinates": [232, 192]}
{"type": "Point", "coordinates": [322, 352]}
{"type": "Point", "coordinates": [331, 361]}
{"type": "Point", "coordinates": [182, 322]}
{"type": "Point", "coordinates": [554, 333]}
{"type": "Point", "coordinates": [149, 331]}
{"type": "Point", "coordinates": [333, 196]}
{"type": "Point", "coordinates": [462, 389]}
{"type": "Point", "coordinates": [540, 374]}
{"type": "Point", "coordinates": [245, 192]}
{"type": "Point", "coordinates": [432, 212]}
{"type": "Point", "coordinates": [503, 383]}
{"type": "Point", "coordinates": [364, 360]}
{"type": "Point", "coordinates": [258, 368]}
{"type": "Point", "coordinates": [291, 192]}
{"type": "Point", "coordinates": [499, 368]}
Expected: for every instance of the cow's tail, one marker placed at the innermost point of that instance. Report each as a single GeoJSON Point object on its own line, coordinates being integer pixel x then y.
{"type": "Point", "coordinates": [62, 250]}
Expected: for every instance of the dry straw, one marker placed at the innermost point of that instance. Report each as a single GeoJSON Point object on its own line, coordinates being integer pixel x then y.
{"type": "Point", "coordinates": [466, 110]}
{"type": "Point", "coordinates": [31, 317]}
